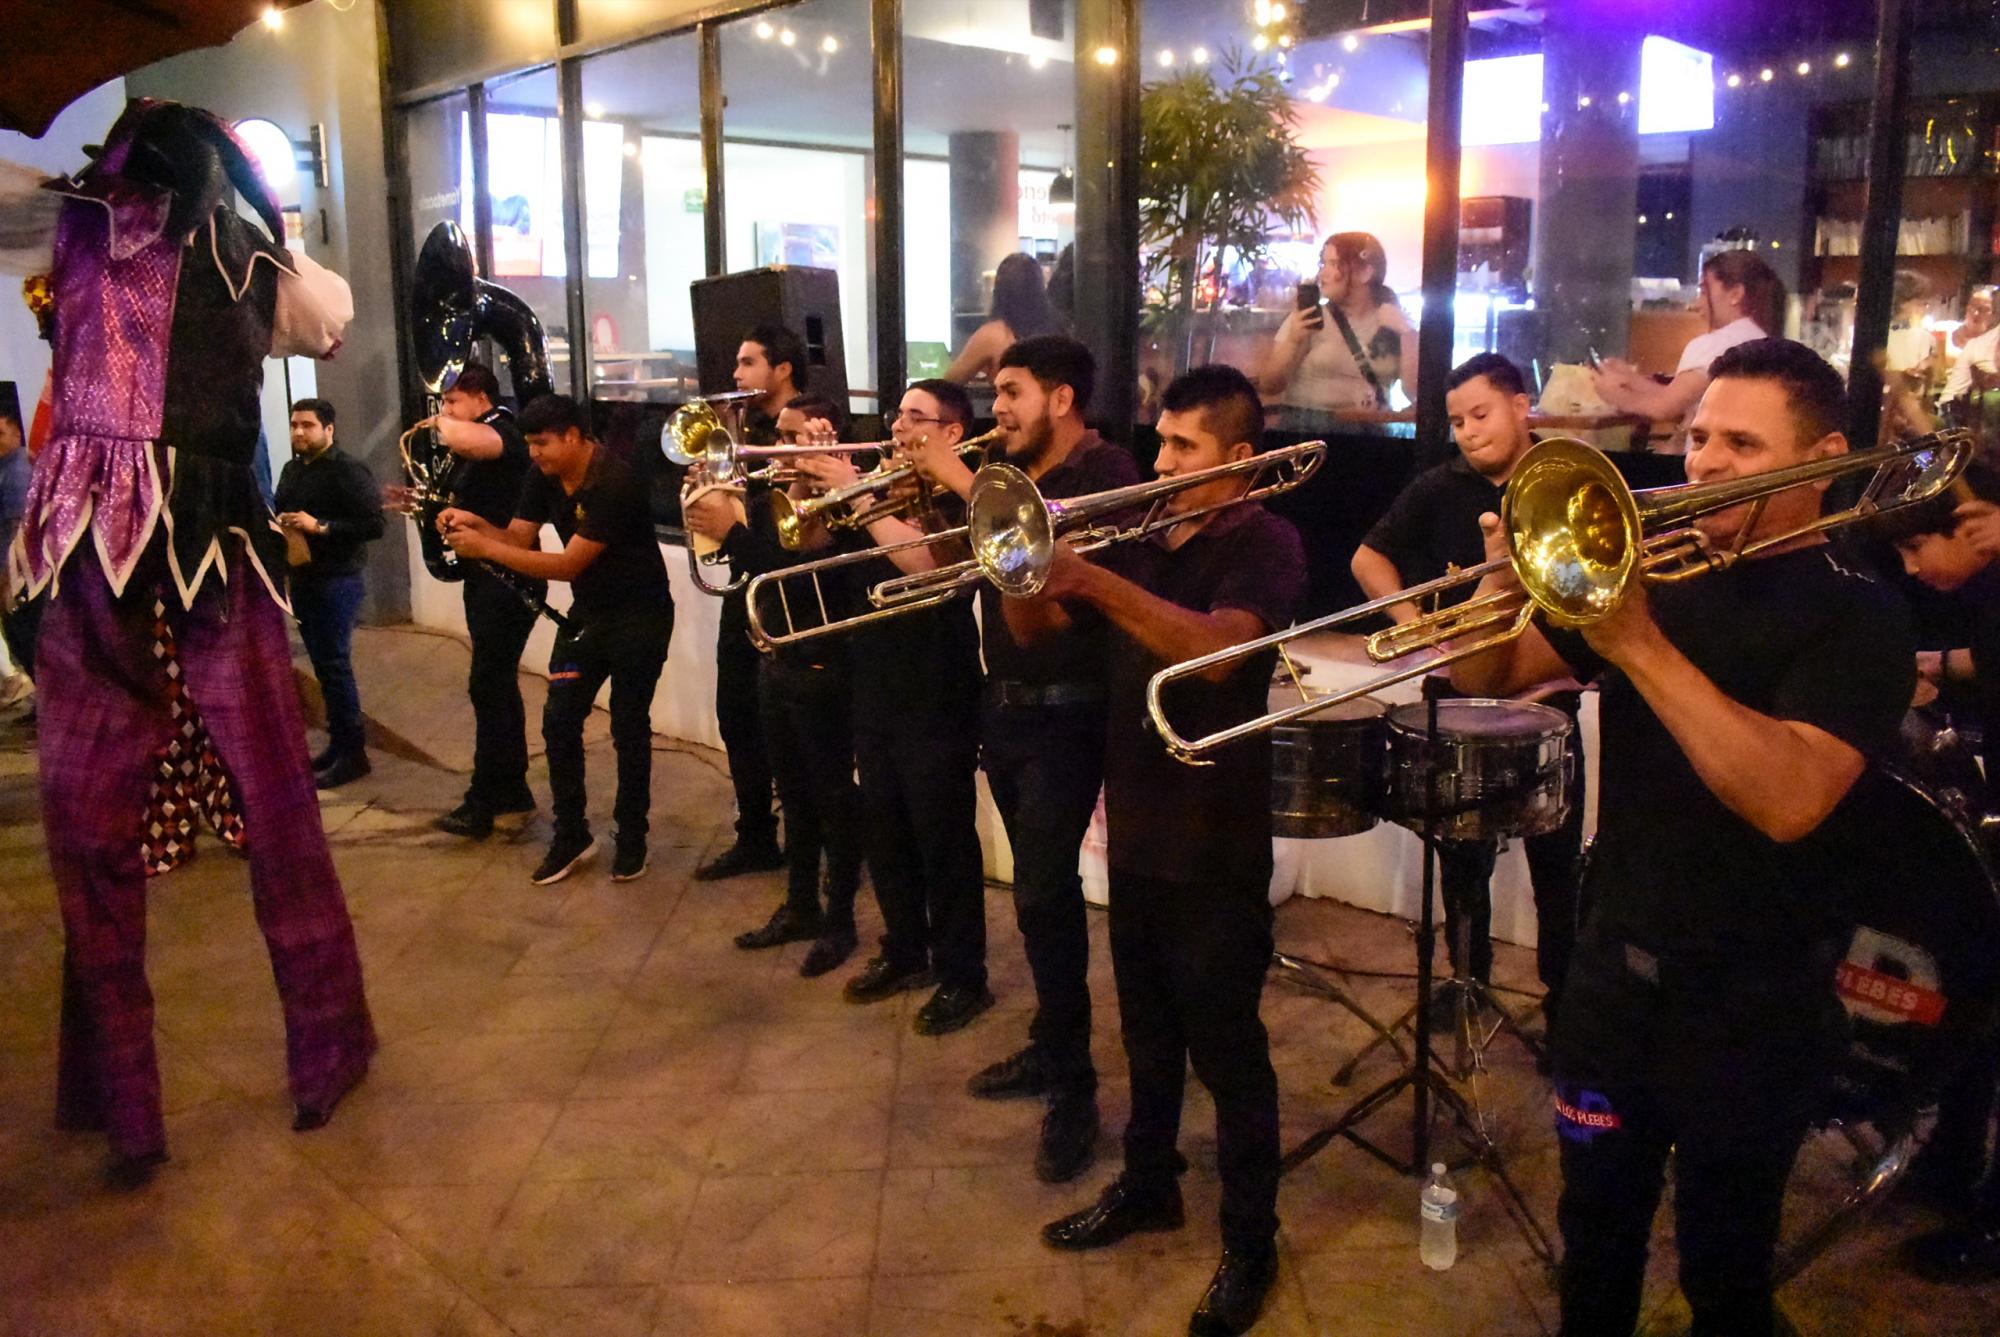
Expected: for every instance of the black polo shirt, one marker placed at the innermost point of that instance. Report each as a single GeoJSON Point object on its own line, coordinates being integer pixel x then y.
{"type": "Point", "coordinates": [1167, 819]}
{"type": "Point", "coordinates": [918, 673]}
{"type": "Point", "coordinates": [1076, 655]}
{"type": "Point", "coordinates": [337, 490]}
{"type": "Point", "coordinates": [489, 488]}
{"type": "Point", "coordinates": [609, 507]}
{"type": "Point", "coordinates": [1433, 525]}
{"type": "Point", "coordinates": [1795, 637]}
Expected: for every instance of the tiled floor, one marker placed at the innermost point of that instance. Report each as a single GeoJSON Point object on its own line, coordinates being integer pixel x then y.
{"type": "Point", "coordinates": [592, 1115]}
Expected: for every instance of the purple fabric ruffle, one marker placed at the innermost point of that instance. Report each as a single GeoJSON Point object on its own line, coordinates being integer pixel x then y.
{"type": "Point", "coordinates": [108, 485]}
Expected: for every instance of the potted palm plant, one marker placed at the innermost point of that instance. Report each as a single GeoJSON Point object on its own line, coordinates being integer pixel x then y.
{"type": "Point", "coordinates": [1220, 168]}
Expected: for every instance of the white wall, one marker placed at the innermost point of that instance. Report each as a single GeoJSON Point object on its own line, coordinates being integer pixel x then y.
{"type": "Point", "coordinates": [676, 244]}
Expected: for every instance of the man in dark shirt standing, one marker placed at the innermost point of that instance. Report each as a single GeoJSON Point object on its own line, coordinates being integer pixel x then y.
{"type": "Point", "coordinates": [1042, 730]}
{"type": "Point", "coordinates": [771, 361]}
{"type": "Point", "coordinates": [1190, 846]}
{"type": "Point", "coordinates": [330, 500]}
{"type": "Point", "coordinates": [1433, 528]}
{"type": "Point", "coordinates": [497, 619]}
{"type": "Point", "coordinates": [621, 617]}
{"type": "Point", "coordinates": [916, 745]}
{"type": "Point", "coordinates": [1699, 1017]}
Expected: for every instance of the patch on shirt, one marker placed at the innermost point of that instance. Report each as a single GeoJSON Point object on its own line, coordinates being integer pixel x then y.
{"type": "Point", "coordinates": [1582, 1117]}
{"type": "Point", "coordinates": [564, 673]}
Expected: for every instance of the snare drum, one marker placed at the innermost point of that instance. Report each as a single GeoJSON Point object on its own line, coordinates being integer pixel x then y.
{"type": "Point", "coordinates": [1326, 769]}
{"type": "Point", "coordinates": [1502, 768]}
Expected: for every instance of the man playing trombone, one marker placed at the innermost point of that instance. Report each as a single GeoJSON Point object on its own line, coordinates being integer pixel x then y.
{"type": "Point", "coordinates": [1738, 710]}
{"type": "Point", "coordinates": [916, 746]}
{"type": "Point", "coordinates": [1190, 848]}
{"type": "Point", "coordinates": [1042, 734]}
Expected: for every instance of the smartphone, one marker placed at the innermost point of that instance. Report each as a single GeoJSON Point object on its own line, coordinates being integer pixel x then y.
{"type": "Point", "coordinates": [1308, 296]}
{"type": "Point", "coordinates": [1596, 362]}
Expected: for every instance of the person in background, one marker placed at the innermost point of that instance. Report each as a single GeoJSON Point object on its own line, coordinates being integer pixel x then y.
{"type": "Point", "coordinates": [1972, 347]}
{"type": "Point", "coordinates": [773, 361]}
{"type": "Point", "coordinates": [1062, 286]}
{"type": "Point", "coordinates": [1433, 528]}
{"type": "Point", "coordinates": [1020, 310]}
{"type": "Point", "coordinates": [1741, 299]}
{"type": "Point", "coordinates": [15, 624]}
{"type": "Point", "coordinates": [1912, 349]}
{"type": "Point", "coordinates": [331, 499]}
{"type": "Point", "coordinates": [1346, 350]}
{"type": "Point", "coordinates": [621, 617]}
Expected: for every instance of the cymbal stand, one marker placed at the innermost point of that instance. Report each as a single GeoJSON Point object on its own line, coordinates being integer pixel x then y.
{"type": "Point", "coordinates": [1426, 1075]}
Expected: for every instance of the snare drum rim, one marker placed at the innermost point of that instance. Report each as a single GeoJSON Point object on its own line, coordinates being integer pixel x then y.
{"type": "Point", "coordinates": [1413, 719]}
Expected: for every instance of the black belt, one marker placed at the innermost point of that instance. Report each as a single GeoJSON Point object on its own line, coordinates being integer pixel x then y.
{"type": "Point", "coordinates": [1000, 692]}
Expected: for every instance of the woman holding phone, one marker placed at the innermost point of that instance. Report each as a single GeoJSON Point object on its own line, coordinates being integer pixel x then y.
{"type": "Point", "coordinates": [1345, 344]}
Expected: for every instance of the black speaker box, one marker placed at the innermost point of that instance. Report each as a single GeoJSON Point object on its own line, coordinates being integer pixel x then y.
{"type": "Point", "coordinates": [805, 301]}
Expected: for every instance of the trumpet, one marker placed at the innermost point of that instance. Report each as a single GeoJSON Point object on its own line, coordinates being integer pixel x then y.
{"type": "Point", "coordinates": [696, 437]}
{"type": "Point", "coordinates": [832, 507]}
{"type": "Point", "coordinates": [1013, 531]}
{"type": "Point", "coordinates": [1580, 539]}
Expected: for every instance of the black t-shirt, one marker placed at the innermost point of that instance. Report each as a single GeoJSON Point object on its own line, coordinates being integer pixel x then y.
{"type": "Point", "coordinates": [919, 672]}
{"type": "Point", "coordinates": [1795, 637]}
{"type": "Point", "coordinates": [1982, 600]}
{"type": "Point", "coordinates": [1077, 655]}
{"type": "Point", "coordinates": [1167, 819]}
{"type": "Point", "coordinates": [608, 507]}
{"type": "Point", "coordinates": [753, 550]}
{"type": "Point", "coordinates": [489, 488]}
{"type": "Point", "coordinates": [1433, 525]}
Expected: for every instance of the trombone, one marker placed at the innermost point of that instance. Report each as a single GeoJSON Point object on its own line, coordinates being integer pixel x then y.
{"type": "Point", "coordinates": [1013, 531]}
{"type": "Point", "coordinates": [1580, 538]}
{"type": "Point", "coordinates": [832, 508]}
{"type": "Point", "coordinates": [696, 437]}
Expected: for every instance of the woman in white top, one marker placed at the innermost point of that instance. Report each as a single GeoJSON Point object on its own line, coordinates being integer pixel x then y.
{"type": "Point", "coordinates": [1972, 346]}
{"type": "Point", "coordinates": [1742, 299]}
{"type": "Point", "coordinates": [1020, 310]}
{"type": "Point", "coordinates": [1313, 368]}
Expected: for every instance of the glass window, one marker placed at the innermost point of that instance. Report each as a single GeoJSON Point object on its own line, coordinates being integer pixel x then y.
{"type": "Point", "coordinates": [457, 41]}
{"type": "Point", "coordinates": [643, 208]}
{"type": "Point", "coordinates": [524, 178]}
{"type": "Point", "coordinates": [438, 140]}
{"type": "Point", "coordinates": [602, 21]}
{"type": "Point", "coordinates": [988, 112]}
{"type": "Point", "coordinates": [798, 161]}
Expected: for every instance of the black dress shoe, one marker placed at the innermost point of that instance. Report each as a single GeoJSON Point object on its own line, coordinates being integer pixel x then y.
{"type": "Point", "coordinates": [1022, 1073]}
{"type": "Point", "coordinates": [741, 858]}
{"type": "Point", "coordinates": [786, 924]}
{"type": "Point", "coordinates": [831, 949]}
{"type": "Point", "coordinates": [1124, 1208]}
{"type": "Point", "coordinates": [1236, 1296]}
{"type": "Point", "coordinates": [343, 769]}
{"type": "Point", "coordinates": [468, 820]}
{"type": "Point", "coordinates": [952, 1008]}
{"type": "Point", "coordinates": [882, 978]}
{"type": "Point", "coordinates": [1957, 1254]}
{"type": "Point", "coordinates": [1069, 1137]}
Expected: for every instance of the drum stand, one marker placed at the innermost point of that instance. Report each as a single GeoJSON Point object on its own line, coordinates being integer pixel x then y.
{"type": "Point", "coordinates": [1426, 1075]}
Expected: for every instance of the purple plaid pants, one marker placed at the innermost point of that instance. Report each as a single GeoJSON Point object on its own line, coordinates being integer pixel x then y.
{"type": "Point", "coordinates": [104, 710]}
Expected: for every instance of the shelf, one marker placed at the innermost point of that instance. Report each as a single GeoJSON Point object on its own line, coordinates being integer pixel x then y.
{"type": "Point", "coordinates": [1961, 257]}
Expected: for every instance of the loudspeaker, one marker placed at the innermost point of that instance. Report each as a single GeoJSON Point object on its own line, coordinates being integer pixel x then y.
{"type": "Point", "coordinates": [805, 301]}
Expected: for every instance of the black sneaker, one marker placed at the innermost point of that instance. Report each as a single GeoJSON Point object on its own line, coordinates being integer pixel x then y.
{"type": "Point", "coordinates": [785, 925]}
{"type": "Point", "coordinates": [565, 856]}
{"type": "Point", "coordinates": [321, 758]}
{"type": "Point", "coordinates": [344, 769]}
{"type": "Point", "coordinates": [1022, 1073]}
{"type": "Point", "coordinates": [882, 978]}
{"type": "Point", "coordinates": [829, 952]}
{"type": "Point", "coordinates": [741, 858]}
{"type": "Point", "coordinates": [1069, 1137]}
{"type": "Point", "coordinates": [468, 820]}
{"type": "Point", "coordinates": [1236, 1296]}
{"type": "Point", "coordinates": [952, 1008]}
{"type": "Point", "coordinates": [512, 814]}
{"type": "Point", "coordinates": [628, 862]}
{"type": "Point", "coordinates": [1126, 1207]}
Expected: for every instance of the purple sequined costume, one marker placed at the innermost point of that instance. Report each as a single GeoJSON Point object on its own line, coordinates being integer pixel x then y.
{"type": "Point", "coordinates": [158, 359]}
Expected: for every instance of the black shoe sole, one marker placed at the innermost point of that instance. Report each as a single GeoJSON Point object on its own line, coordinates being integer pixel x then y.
{"type": "Point", "coordinates": [584, 856]}
{"type": "Point", "coordinates": [632, 874]}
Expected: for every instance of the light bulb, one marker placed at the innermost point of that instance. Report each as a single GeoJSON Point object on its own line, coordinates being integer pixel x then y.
{"type": "Point", "coordinates": [274, 18]}
{"type": "Point", "coordinates": [829, 44]}
{"type": "Point", "coordinates": [1767, 74]}
{"type": "Point", "coordinates": [1350, 43]}
{"type": "Point", "coordinates": [1199, 55]}
{"type": "Point", "coordinates": [1107, 55]}
{"type": "Point", "coordinates": [765, 31]}
{"type": "Point", "coordinates": [1166, 57]}
{"type": "Point", "coordinates": [786, 37]}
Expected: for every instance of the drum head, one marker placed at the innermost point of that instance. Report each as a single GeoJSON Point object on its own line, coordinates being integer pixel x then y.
{"type": "Point", "coordinates": [1477, 717]}
{"type": "Point", "coordinates": [1921, 976]}
{"type": "Point", "coordinates": [1284, 694]}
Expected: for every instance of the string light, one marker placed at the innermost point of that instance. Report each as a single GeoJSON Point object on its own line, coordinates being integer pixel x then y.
{"type": "Point", "coordinates": [1038, 60]}
{"type": "Point", "coordinates": [1767, 74]}
{"type": "Point", "coordinates": [1167, 57]}
{"type": "Point", "coordinates": [765, 31]}
{"type": "Point", "coordinates": [1260, 42]}
{"type": "Point", "coordinates": [1199, 55]}
{"type": "Point", "coordinates": [1583, 101]}
{"type": "Point", "coordinates": [1107, 55]}
{"type": "Point", "coordinates": [1624, 99]}
{"type": "Point", "coordinates": [1735, 81]}
{"type": "Point", "coordinates": [1805, 68]}
{"type": "Point", "coordinates": [1277, 13]}
{"type": "Point", "coordinates": [1284, 39]}
{"type": "Point", "coordinates": [1350, 43]}
{"type": "Point", "coordinates": [274, 18]}
{"type": "Point", "coordinates": [1842, 60]}
{"type": "Point", "coordinates": [786, 37]}
{"type": "Point", "coordinates": [829, 44]}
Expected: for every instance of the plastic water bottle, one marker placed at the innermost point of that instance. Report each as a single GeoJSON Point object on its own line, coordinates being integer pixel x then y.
{"type": "Point", "coordinates": [1438, 1245]}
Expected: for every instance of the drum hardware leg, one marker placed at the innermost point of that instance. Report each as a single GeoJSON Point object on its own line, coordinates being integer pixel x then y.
{"type": "Point", "coordinates": [1345, 1073]}
{"type": "Point", "coordinates": [1877, 1170]}
{"type": "Point", "coordinates": [1316, 978]}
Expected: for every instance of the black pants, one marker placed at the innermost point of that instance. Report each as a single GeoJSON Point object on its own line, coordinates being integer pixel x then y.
{"type": "Point", "coordinates": [629, 652]}
{"type": "Point", "coordinates": [920, 813]}
{"type": "Point", "coordinates": [1190, 962]}
{"type": "Point", "coordinates": [499, 623]}
{"type": "Point", "coordinates": [742, 726]}
{"type": "Point", "coordinates": [1957, 1151]}
{"type": "Point", "coordinates": [20, 627]}
{"type": "Point", "coordinates": [808, 730]}
{"type": "Point", "coordinates": [1724, 1068]}
{"type": "Point", "coordinates": [1465, 874]}
{"type": "Point", "coordinates": [1045, 765]}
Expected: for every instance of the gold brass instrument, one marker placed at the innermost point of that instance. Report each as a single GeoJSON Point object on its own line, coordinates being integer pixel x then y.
{"type": "Point", "coordinates": [833, 508]}
{"type": "Point", "coordinates": [1580, 538]}
{"type": "Point", "coordinates": [1013, 532]}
